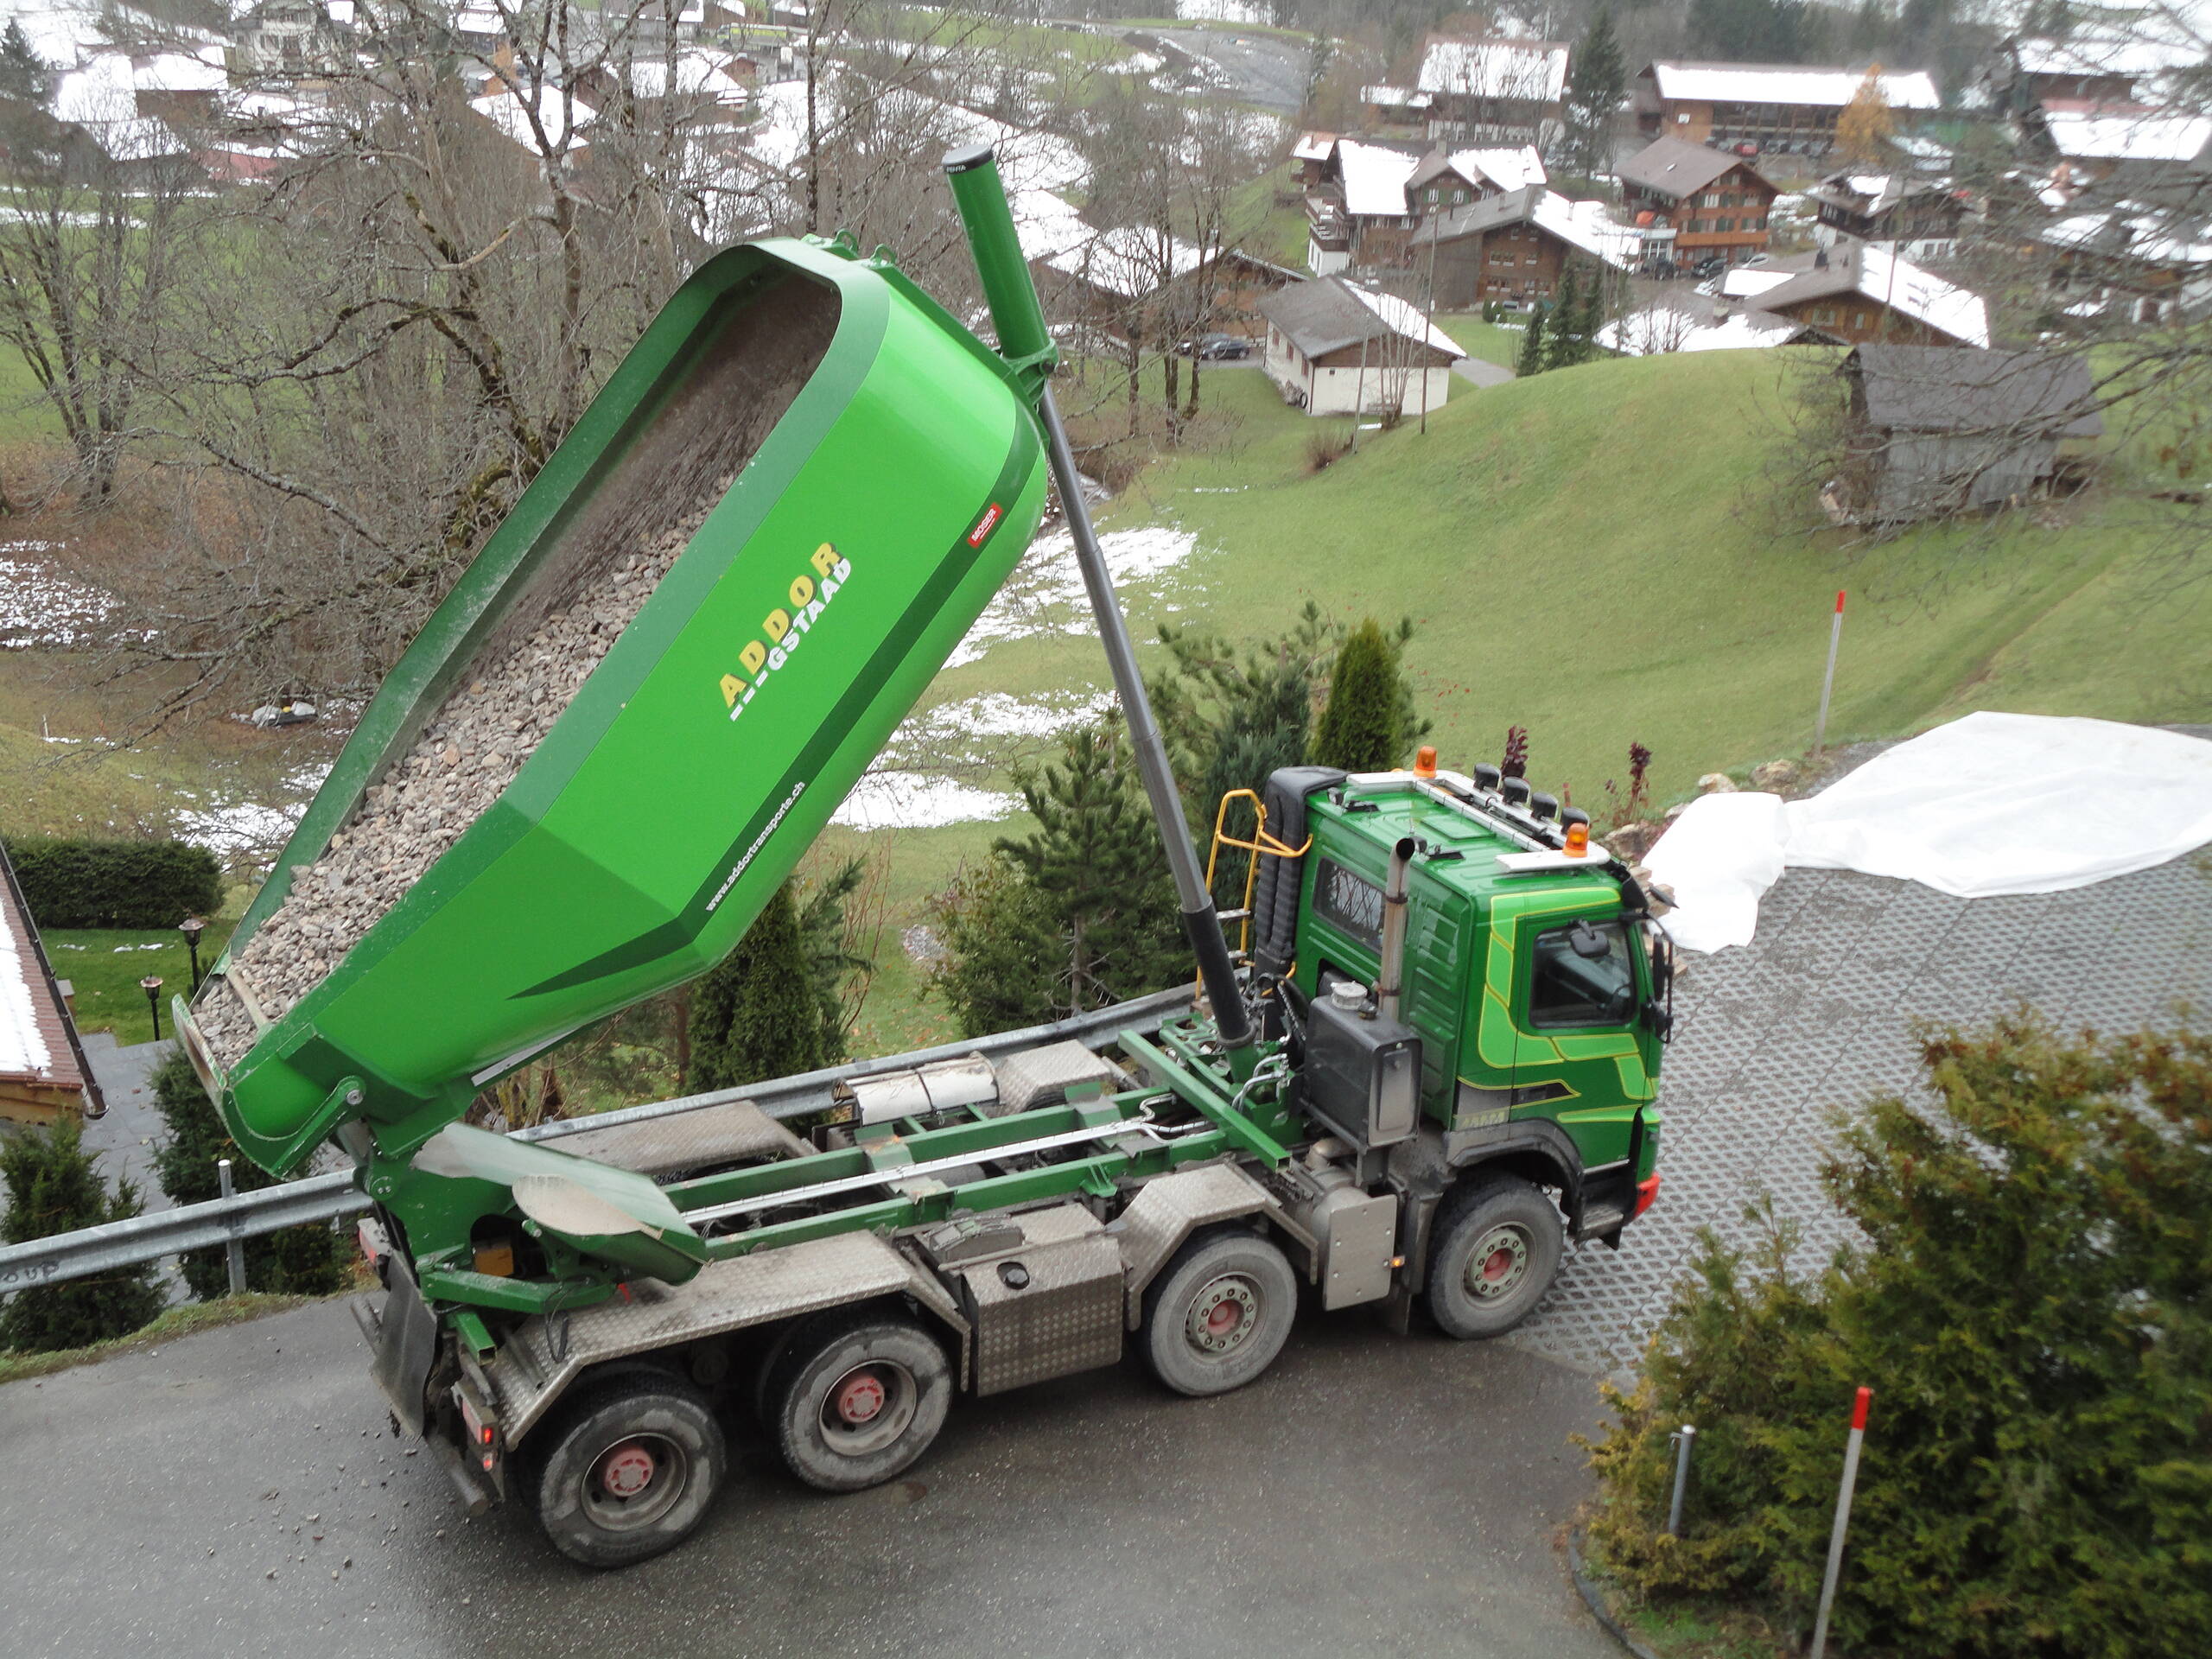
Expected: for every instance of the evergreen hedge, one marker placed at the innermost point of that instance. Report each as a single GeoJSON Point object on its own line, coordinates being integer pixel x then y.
{"type": "Point", "coordinates": [307, 1261]}
{"type": "Point", "coordinates": [54, 1187]}
{"type": "Point", "coordinates": [756, 1015]}
{"type": "Point", "coordinates": [2030, 1300]}
{"type": "Point", "coordinates": [84, 883]}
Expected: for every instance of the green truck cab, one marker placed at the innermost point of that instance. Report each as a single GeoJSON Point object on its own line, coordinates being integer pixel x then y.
{"type": "Point", "coordinates": [1537, 981]}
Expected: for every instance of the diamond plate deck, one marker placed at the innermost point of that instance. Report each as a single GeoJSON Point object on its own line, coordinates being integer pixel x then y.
{"type": "Point", "coordinates": [1817, 1015]}
{"type": "Point", "coordinates": [725, 1296]}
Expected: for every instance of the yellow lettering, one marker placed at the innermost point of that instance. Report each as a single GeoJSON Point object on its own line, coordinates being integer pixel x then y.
{"type": "Point", "coordinates": [824, 560]}
{"type": "Point", "coordinates": [802, 591]}
{"type": "Point", "coordinates": [776, 625]}
{"type": "Point", "coordinates": [753, 656]}
{"type": "Point", "coordinates": [731, 686]}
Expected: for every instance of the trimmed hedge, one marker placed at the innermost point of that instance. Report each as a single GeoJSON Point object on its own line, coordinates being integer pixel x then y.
{"type": "Point", "coordinates": [70, 883]}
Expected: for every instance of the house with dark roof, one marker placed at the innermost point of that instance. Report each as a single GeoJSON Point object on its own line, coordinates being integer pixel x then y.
{"type": "Point", "coordinates": [43, 1074]}
{"type": "Point", "coordinates": [1690, 203]}
{"type": "Point", "coordinates": [1513, 248]}
{"type": "Point", "coordinates": [1934, 431]}
{"type": "Point", "coordinates": [1335, 348]}
{"type": "Point", "coordinates": [1858, 291]}
{"type": "Point", "coordinates": [1918, 217]}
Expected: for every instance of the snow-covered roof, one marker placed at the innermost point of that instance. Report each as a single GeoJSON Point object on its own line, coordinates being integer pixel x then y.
{"type": "Point", "coordinates": [1028, 158]}
{"type": "Point", "coordinates": [1670, 328]}
{"type": "Point", "coordinates": [1745, 280]}
{"type": "Point", "coordinates": [1871, 271]}
{"type": "Point", "coordinates": [510, 111]}
{"type": "Point", "coordinates": [2134, 231]}
{"type": "Point", "coordinates": [2140, 51]}
{"type": "Point", "coordinates": [1508, 169]}
{"type": "Point", "coordinates": [478, 20]}
{"type": "Point", "coordinates": [1375, 178]}
{"type": "Point", "coordinates": [1328, 313]}
{"type": "Point", "coordinates": [696, 75]}
{"type": "Point", "coordinates": [1784, 83]}
{"type": "Point", "coordinates": [1496, 67]}
{"type": "Point", "coordinates": [1127, 261]}
{"type": "Point", "coordinates": [1588, 225]}
{"type": "Point", "coordinates": [23, 1047]}
{"type": "Point", "coordinates": [2127, 136]}
{"type": "Point", "coordinates": [173, 72]}
{"type": "Point", "coordinates": [1403, 318]}
{"type": "Point", "coordinates": [101, 89]}
{"type": "Point", "coordinates": [1395, 98]}
{"type": "Point", "coordinates": [1312, 146]}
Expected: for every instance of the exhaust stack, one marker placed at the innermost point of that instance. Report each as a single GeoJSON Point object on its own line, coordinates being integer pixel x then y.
{"type": "Point", "coordinates": [1390, 975]}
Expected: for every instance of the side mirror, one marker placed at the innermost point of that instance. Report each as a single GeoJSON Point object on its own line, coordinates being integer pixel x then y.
{"type": "Point", "coordinates": [1660, 1018]}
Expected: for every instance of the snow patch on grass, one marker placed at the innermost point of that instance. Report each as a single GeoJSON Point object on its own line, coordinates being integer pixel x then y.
{"type": "Point", "coordinates": [904, 800]}
{"type": "Point", "coordinates": [38, 608]}
{"type": "Point", "coordinates": [1045, 594]}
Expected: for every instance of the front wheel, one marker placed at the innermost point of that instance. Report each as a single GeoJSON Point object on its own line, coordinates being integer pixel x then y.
{"type": "Point", "coordinates": [630, 1470]}
{"type": "Point", "coordinates": [1498, 1251]}
{"type": "Point", "coordinates": [1219, 1313]}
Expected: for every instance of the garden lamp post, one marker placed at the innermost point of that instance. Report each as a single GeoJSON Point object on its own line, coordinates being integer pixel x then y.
{"type": "Point", "coordinates": [192, 927]}
{"type": "Point", "coordinates": [152, 986]}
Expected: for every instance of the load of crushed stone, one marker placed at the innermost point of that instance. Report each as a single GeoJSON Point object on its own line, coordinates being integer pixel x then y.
{"type": "Point", "coordinates": [534, 662]}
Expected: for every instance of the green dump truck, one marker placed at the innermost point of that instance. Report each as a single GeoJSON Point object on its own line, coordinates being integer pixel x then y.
{"type": "Point", "coordinates": [1429, 1061]}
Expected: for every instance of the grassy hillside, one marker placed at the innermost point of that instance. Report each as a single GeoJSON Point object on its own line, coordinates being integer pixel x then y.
{"type": "Point", "coordinates": [1585, 555]}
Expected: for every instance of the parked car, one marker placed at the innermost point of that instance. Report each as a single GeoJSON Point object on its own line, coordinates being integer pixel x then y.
{"type": "Point", "coordinates": [1757, 259]}
{"type": "Point", "coordinates": [1216, 348]}
{"type": "Point", "coordinates": [1711, 265]}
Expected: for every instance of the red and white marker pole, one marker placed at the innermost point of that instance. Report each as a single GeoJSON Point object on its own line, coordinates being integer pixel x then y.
{"type": "Point", "coordinates": [1842, 1497]}
{"type": "Point", "coordinates": [1828, 681]}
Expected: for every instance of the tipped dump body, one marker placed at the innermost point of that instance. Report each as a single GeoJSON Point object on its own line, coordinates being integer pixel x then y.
{"type": "Point", "coordinates": [645, 697]}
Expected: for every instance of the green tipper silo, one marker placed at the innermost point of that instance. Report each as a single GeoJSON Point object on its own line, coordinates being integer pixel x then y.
{"type": "Point", "coordinates": [876, 511]}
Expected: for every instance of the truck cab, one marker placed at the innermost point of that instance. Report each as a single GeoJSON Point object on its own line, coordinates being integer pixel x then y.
{"type": "Point", "coordinates": [1534, 979]}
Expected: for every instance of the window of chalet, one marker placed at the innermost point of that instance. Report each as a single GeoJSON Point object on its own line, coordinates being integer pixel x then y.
{"type": "Point", "coordinates": [1712, 198]}
{"type": "Point", "coordinates": [1722, 226]}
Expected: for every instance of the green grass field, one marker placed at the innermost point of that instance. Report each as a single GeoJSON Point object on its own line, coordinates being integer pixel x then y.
{"type": "Point", "coordinates": [105, 964]}
{"type": "Point", "coordinates": [1484, 340]}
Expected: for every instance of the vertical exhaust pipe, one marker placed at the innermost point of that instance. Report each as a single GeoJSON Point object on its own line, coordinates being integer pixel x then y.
{"type": "Point", "coordinates": [1025, 344]}
{"type": "Point", "coordinates": [1390, 975]}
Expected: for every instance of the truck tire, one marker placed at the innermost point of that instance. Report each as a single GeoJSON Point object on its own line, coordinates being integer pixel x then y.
{"type": "Point", "coordinates": [1218, 1314]}
{"type": "Point", "coordinates": [1498, 1251]}
{"type": "Point", "coordinates": [628, 1468]}
{"type": "Point", "coordinates": [853, 1399]}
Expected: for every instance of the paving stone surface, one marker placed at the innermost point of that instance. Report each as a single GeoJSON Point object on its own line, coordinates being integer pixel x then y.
{"type": "Point", "coordinates": [1819, 1011]}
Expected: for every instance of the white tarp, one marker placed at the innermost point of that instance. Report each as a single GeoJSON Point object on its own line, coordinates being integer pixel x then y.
{"type": "Point", "coordinates": [1988, 805]}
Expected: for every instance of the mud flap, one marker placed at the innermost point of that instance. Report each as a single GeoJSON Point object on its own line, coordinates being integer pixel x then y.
{"type": "Point", "coordinates": [407, 1343]}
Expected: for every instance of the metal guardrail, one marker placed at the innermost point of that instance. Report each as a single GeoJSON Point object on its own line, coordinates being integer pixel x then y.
{"type": "Point", "coordinates": [334, 1196]}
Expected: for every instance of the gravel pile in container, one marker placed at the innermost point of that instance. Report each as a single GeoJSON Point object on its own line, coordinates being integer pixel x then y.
{"type": "Point", "coordinates": [536, 660]}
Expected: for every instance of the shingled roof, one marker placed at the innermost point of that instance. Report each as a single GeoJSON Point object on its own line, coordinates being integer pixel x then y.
{"type": "Point", "coordinates": [1942, 389]}
{"type": "Point", "coordinates": [1328, 314]}
{"type": "Point", "coordinates": [1676, 168]}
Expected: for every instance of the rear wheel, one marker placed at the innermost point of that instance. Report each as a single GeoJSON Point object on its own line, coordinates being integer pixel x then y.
{"type": "Point", "coordinates": [1498, 1251]}
{"type": "Point", "coordinates": [629, 1470]}
{"type": "Point", "coordinates": [854, 1399]}
{"type": "Point", "coordinates": [1219, 1313]}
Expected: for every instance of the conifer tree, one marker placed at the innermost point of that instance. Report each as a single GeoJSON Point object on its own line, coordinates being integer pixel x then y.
{"type": "Point", "coordinates": [24, 74]}
{"type": "Point", "coordinates": [1096, 857]}
{"type": "Point", "coordinates": [757, 1014]}
{"type": "Point", "coordinates": [54, 1186]}
{"type": "Point", "coordinates": [309, 1260]}
{"type": "Point", "coordinates": [1561, 349]}
{"type": "Point", "coordinates": [1359, 729]}
{"type": "Point", "coordinates": [1594, 91]}
{"type": "Point", "coordinates": [1531, 360]}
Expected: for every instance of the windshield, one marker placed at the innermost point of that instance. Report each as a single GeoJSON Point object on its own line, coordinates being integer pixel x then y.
{"type": "Point", "coordinates": [1568, 989]}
